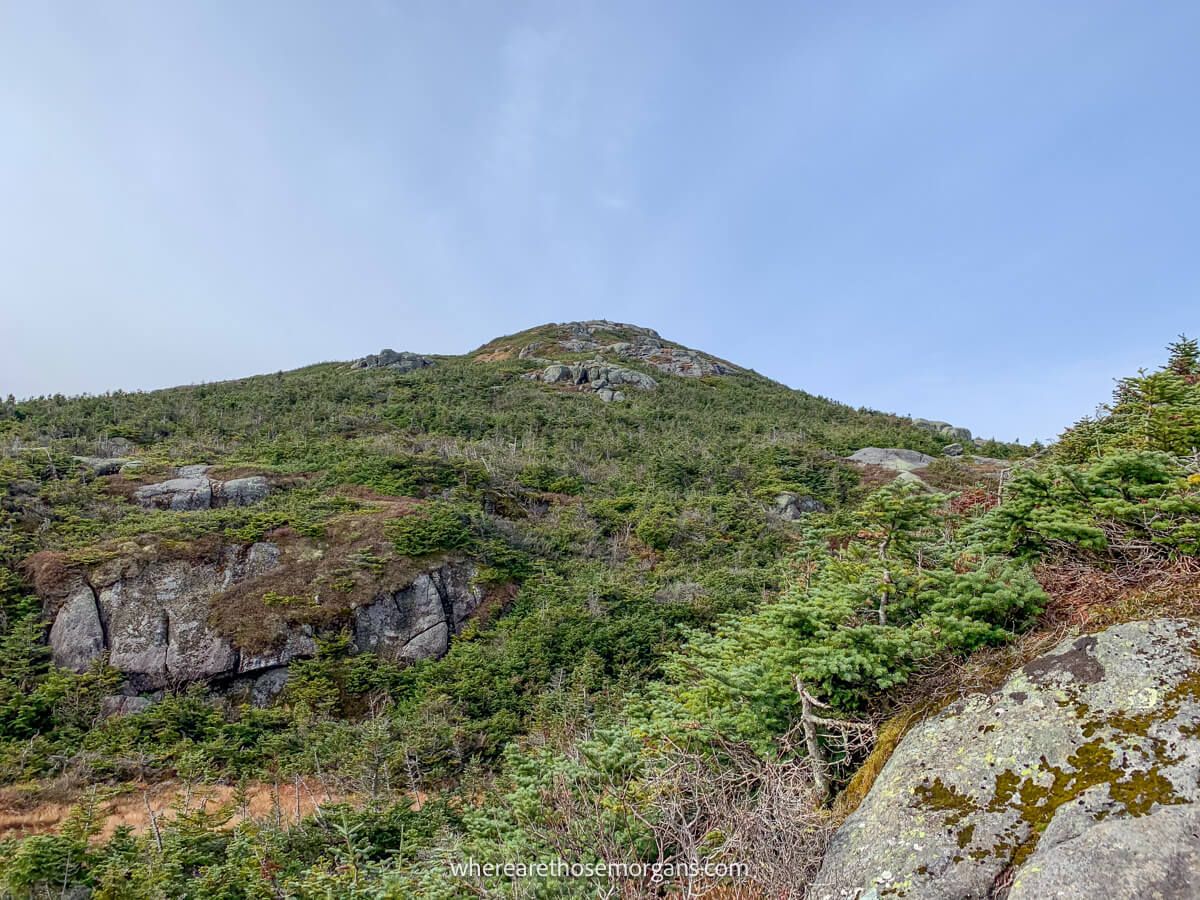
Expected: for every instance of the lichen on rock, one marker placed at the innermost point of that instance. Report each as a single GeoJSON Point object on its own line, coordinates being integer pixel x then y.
{"type": "Point", "coordinates": [1010, 788]}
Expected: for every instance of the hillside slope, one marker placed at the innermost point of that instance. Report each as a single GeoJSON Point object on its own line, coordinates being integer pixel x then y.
{"type": "Point", "coordinates": [416, 575]}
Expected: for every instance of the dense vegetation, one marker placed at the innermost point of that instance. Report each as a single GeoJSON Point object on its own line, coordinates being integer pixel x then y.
{"type": "Point", "coordinates": [670, 671]}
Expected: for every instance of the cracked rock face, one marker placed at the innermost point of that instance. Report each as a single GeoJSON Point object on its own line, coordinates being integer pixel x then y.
{"type": "Point", "coordinates": [156, 622]}
{"type": "Point", "coordinates": [152, 619]}
{"type": "Point", "coordinates": [1078, 778]}
{"type": "Point", "coordinates": [417, 621]}
{"type": "Point", "coordinates": [77, 636]}
{"type": "Point", "coordinates": [153, 622]}
{"type": "Point", "coordinates": [796, 506]}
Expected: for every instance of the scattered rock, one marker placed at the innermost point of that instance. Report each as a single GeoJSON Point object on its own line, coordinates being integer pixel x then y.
{"type": "Point", "coordinates": [196, 470]}
{"type": "Point", "coordinates": [1078, 778]}
{"type": "Point", "coordinates": [913, 478]}
{"type": "Point", "coordinates": [241, 491]}
{"type": "Point", "coordinates": [673, 360]}
{"type": "Point", "coordinates": [121, 705]}
{"type": "Point", "coordinates": [639, 344]}
{"type": "Point", "coordinates": [795, 506]}
{"type": "Point", "coordinates": [152, 619]}
{"type": "Point", "coordinates": [296, 643]}
{"type": "Point", "coordinates": [268, 686]}
{"type": "Point", "coordinates": [952, 450]}
{"type": "Point", "coordinates": [404, 361]}
{"type": "Point", "coordinates": [894, 458]}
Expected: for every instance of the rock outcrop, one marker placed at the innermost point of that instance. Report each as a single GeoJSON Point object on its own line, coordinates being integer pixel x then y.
{"type": "Point", "coordinates": [598, 376]}
{"type": "Point", "coordinates": [894, 458]}
{"type": "Point", "coordinates": [416, 622]}
{"type": "Point", "coordinates": [404, 361]}
{"type": "Point", "coordinates": [192, 489]}
{"type": "Point", "coordinates": [636, 343]}
{"type": "Point", "coordinates": [944, 429]}
{"type": "Point", "coordinates": [152, 619]}
{"type": "Point", "coordinates": [1078, 778]}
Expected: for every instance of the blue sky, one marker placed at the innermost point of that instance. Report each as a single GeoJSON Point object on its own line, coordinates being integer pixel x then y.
{"type": "Point", "coordinates": [979, 212]}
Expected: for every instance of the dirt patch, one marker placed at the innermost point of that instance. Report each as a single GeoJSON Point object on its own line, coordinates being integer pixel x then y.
{"type": "Point", "coordinates": [138, 806]}
{"type": "Point", "coordinates": [496, 355]}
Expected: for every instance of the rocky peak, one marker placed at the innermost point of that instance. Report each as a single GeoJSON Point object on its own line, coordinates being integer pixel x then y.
{"type": "Point", "coordinates": [606, 342]}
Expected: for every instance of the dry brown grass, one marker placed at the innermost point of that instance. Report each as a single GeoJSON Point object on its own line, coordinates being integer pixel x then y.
{"type": "Point", "coordinates": [319, 582]}
{"type": "Point", "coordinates": [25, 811]}
{"type": "Point", "coordinates": [51, 573]}
{"type": "Point", "coordinates": [499, 355]}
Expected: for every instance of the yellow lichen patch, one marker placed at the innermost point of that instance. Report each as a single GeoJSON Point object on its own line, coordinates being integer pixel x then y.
{"type": "Point", "coordinates": [946, 798]}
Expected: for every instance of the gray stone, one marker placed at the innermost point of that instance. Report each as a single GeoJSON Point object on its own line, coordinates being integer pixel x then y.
{"type": "Point", "coordinates": [77, 635]}
{"type": "Point", "coordinates": [416, 622]}
{"type": "Point", "coordinates": [894, 458]}
{"type": "Point", "coordinates": [598, 376]}
{"type": "Point", "coordinates": [1077, 778]}
{"type": "Point", "coordinates": [297, 643]}
{"type": "Point", "coordinates": [404, 361]}
{"type": "Point", "coordinates": [952, 450]}
{"type": "Point", "coordinates": [181, 494]}
{"type": "Point", "coordinates": [120, 705]}
{"type": "Point", "coordinates": [268, 686]}
{"type": "Point", "coordinates": [243, 491]}
{"type": "Point", "coordinates": [157, 618]}
{"type": "Point", "coordinates": [796, 506]}
{"type": "Point", "coordinates": [673, 360]}
{"type": "Point", "coordinates": [193, 489]}
{"type": "Point", "coordinates": [944, 429]}
{"type": "Point", "coordinates": [1156, 855]}
{"type": "Point", "coordinates": [913, 478]}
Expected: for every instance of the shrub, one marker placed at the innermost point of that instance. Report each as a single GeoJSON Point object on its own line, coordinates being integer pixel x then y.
{"type": "Point", "coordinates": [435, 527]}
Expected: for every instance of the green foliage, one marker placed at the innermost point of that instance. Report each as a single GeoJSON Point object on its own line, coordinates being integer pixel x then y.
{"type": "Point", "coordinates": [854, 626]}
{"type": "Point", "coordinates": [1155, 411]}
{"type": "Point", "coordinates": [435, 527]}
{"type": "Point", "coordinates": [1120, 504]}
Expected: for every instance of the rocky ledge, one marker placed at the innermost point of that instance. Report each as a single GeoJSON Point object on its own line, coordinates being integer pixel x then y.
{"type": "Point", "coordinates": [153, 620]}
{"type": "Point", "coordinates": [1078, 778]}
